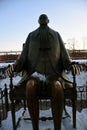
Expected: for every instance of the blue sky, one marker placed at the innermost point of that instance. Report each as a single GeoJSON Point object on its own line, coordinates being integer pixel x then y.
{"type": "Point", "coordinates": [19, 17]}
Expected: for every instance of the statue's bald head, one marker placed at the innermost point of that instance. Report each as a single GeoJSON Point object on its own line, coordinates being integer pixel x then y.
{"type": "Point", "coordinates": [43, 19]}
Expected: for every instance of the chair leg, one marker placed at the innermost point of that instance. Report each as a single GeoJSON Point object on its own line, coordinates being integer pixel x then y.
{"type": "Point", "coordinates": [74, 113]}
{"type": "Point", "coordinates": [24, 104]}
{"type": "Point", "coordinates": [64, 104]}
{"type": "Point", "coordinates": [13, 115]}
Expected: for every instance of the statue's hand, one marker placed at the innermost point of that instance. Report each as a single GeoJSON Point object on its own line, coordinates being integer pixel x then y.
{"type": "Point", "coordinates": [10, 70]}
{"type": "Point", "coordinates": [75, 68]}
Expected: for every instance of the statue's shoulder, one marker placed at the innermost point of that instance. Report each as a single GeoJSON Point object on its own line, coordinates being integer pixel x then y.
{"type": "Point", "coordinates": [52, 31]}
{"type": "Point", "coordinates": [35, 32]}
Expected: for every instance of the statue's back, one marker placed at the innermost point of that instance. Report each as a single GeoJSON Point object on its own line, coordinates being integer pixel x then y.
{"type": "Point", "coordinates": [44, 54]}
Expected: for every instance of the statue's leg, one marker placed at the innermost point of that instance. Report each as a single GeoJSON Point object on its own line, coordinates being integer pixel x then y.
{"type": "Point", "coordinates": [32, 102]}
{"type": "Point", "coordinates": [57, 103]}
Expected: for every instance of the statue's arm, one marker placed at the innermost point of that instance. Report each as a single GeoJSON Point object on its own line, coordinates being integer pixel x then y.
{"type": "Point", "coordinates": [64, 55]}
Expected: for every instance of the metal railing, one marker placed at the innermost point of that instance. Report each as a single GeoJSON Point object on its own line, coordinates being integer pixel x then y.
{"type": "Point", "coordinates": [4, 104]}
{"type": "Point", "coordinates": [82, 96]}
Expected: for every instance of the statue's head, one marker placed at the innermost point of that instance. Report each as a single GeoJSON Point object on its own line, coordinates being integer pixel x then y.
{"type": "Point", "coordinates": [43, 19]}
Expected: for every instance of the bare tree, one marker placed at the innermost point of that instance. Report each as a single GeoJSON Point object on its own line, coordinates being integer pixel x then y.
{"type": "Point", "coordinates": [84, 40]}
{"type": "Point", "coordinates": [71, 43]}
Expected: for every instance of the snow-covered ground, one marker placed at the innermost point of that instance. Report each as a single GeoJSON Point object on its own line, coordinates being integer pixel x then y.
{"type": "Point", "coordinates": [66, 123]}
{"type": "Point", "coordinates": [81, 119]}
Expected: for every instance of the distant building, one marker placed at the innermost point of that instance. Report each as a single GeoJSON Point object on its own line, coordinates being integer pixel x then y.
{"type": "Point", "coordinates": [78, 54]}
{"type": "Point", "coordinates": [12, 56]}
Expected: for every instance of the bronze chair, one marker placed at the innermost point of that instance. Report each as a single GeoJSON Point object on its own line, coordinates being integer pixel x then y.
{"type": "Point", "coordinates": [15, 95]}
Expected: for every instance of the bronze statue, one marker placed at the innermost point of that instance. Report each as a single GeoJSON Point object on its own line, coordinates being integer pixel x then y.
{"type": "Point", "coordinates": [44, 52]}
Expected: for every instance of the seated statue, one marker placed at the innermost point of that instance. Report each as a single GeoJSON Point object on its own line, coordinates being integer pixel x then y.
{"type": "Point", "coordinates": [44, 52]}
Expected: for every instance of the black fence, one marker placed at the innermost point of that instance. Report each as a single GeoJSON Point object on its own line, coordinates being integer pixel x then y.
{"type": "Point", "coordinates": [5, 102]}
{"type": "Point", "coordinates": [82, 97]}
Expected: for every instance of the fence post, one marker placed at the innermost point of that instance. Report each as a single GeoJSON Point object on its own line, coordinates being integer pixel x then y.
{"type": "Point", "coordinates": [0, 118]}
{"type": "Point", "coordinates": [0, 108]}
{"type": "Point", "coordinates": [6, 99]}
{"type": "Point", "coordinates": [86, 94]}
